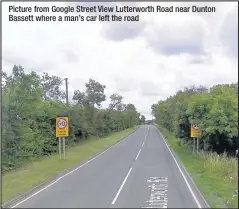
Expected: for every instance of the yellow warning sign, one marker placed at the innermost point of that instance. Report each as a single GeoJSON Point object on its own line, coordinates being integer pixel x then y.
{"type": "Point", "coordinates": [62, 127]}
{"type": "Point", "coordinates": [195, 131]}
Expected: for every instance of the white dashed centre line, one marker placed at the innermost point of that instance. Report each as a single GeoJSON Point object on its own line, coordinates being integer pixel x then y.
{"type": "Point", "coordinates": [121, 187]}
{"type": "Point", "coordinates": [138, 154]}
{"type": "Point", "coordinates": [123, 183]}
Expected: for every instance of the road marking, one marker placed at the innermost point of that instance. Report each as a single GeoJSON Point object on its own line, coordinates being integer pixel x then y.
{"type": "Point", "coordinates": [121, 187]}
{"type": "Point", "coordinates": [54, 182]}
{"type": "Point", "coordinates": [185, 179]}
{"type": "Point", "coordinates": [145, 137]}
{"type": "Point", "coordinates": [159, 192]}
{"type": "Point", "coordinates": [142, 143]}
{"type": "Point", "coordinates": [138, 155]}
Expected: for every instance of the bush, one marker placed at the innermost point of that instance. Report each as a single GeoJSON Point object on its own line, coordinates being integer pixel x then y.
{"type": "Point", "coordinates": [31, 104]}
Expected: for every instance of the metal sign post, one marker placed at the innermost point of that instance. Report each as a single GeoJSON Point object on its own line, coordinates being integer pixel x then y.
{"type": "Point", "coordinates": [193, 144]}
{"type": "Point", "coordinates": [59, 146]}
{"type": "Point", "coordinates": [197, 143]}
{"type": "Point", "coordinates": [64, 148]}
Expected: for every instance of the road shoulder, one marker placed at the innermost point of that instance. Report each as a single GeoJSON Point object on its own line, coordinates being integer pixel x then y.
{"type": "Point", "coordinates": [202, 203]}
{"type": "Point", "coordinates": [39, 187]}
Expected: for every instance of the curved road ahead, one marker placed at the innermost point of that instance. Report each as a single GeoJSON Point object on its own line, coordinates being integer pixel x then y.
{"type": "Point", "coordinates": [140, 171]}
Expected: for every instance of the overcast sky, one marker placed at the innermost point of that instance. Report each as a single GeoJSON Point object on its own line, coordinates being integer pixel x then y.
{"type": "Point", "coordinates": [144, 61]}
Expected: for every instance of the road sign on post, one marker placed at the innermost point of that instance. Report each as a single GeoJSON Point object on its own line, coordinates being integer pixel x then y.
{"type": "Point", "coordinates": [62, 127]}
{"type": "Point", "coordinates": [195, 131]}
{"type": "Point", "coordinates": [62, 130]}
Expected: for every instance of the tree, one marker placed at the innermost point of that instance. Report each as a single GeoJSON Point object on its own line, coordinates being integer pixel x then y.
{"type": "Point", "coordinates": [116, 102]}
{"type": "Point", "coordinates": [52, 87]}
{"type": "Point", "coordinates": [95, 92]}
{"type": "Point", "coordinates": [79, 98]}
{"type": "Point", "coordinates": [133, 116]}
{"type": "Point", "coordinates": [216, 112]}
{"type": "Point", "coordinates": [31, 104]}
{"type": "Point", "coordinates": [142, 119]}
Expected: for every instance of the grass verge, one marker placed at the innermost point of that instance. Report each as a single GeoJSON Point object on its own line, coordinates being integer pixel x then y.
{"type": "Point", "coordinates": [21, 180]}
{"type": "Point", "coordinates": [216, 176]}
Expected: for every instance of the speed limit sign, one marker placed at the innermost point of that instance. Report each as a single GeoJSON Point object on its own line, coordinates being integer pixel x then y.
{"type": "Point", "coordinates": [195, 126]}
{"type": "Point", "coordinates": [195, 130]}
{"type": "Point", "coordinates": [62, 127]}
{"type": "Point", "coordinates": [62, 123]}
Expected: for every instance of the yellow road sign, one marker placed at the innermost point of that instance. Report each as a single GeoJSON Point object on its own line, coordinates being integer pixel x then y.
{"type": "Point", "coordinates": [62, 127]}
{"type": "Point", "coordinates": [195, 131]}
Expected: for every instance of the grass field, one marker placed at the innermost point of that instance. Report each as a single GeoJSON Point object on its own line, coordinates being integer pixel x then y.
{"type": "Point", "coordinates": [21, 180]}
{"type": "Point", "coordinates": [216, 176]}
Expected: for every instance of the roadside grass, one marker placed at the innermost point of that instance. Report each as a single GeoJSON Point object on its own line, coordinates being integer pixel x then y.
{"type": "Point", "coordinates": [23, 179]}
{"type": "Point", "coordinates": [216, 176]}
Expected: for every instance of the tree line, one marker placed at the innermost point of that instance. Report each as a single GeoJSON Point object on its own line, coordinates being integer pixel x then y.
{"type": "Point", "coordinates": [31, 103]}
{"type": "Point", "coordinates": [215, 110]}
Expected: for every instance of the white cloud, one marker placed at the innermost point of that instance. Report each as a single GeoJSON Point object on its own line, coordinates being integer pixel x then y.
{"type": "Point", "coordinates": [144, 62]}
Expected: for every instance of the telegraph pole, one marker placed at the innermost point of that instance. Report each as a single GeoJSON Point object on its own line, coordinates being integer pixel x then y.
{"type": "Point", "coordinates": [64, 142]}
{"type": "Point", "coordinates": [66, 79]}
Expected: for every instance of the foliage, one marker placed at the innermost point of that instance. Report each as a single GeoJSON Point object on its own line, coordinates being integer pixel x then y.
{"type": "Point", "coordinates": [116, 101]}
{"type": "Point", "coordinates": [216, 112]}
{"type": "Point", "coordinates": [143, 119]}
{"type": "Point", "coordinates": [32, 102]}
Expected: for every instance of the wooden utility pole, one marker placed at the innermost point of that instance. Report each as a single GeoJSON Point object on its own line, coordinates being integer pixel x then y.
{"type": "Point", "coordinates": [66, 79]}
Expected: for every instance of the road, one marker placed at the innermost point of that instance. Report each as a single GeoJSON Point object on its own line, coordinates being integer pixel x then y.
{"type": "Point", "coordinates": [140, 171]}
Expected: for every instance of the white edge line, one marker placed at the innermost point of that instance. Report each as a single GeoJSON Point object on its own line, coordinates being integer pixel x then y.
{"type": "Point", "coordinates": [138, 154]}
{"type": "Point", "coordinates": [121, 187]}
{"type": "Point", "coordinates": [194, 183]}
{"type": "Point", "coordinates": [54, 182]}
{"type": "Point", "coordinates": [185, 179]}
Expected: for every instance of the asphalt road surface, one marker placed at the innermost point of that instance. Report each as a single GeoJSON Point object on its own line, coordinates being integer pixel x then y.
{"type": "Point", "coordinates": [138, 172]}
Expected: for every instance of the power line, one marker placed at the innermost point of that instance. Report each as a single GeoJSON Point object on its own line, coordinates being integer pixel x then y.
{"type": "Point", "coordinates": [34, 69]}
{"type": "Point", "coordinates": [15, 63]}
